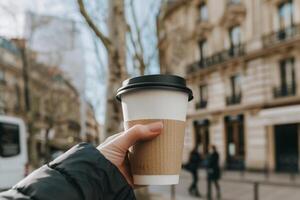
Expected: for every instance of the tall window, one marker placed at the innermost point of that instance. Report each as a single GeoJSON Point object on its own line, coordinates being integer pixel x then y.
{"type": "Point", "coordinates": [203, 49]}
{"type": "Point", "coordinates": [203, 92]}
{"type": "Point", "coordinates": [235, 83]}
{"type": "Point", "coordinates": [235, 36]}
{"type": "Point", "coordinates": [202, 139]}
{"type": "Point", "coordinates": [285, 13]}
{"type": "Point", "coordinates": [203, 96]}
{"type": "Point", "coordinates": [287, 78]}
{"type": "Point", "coordinates": [235, 91]}
{"type": "Point", "coordinates": [203, 12]}
{"type": "Point", "coordinates": [235, 41]}
{"type": "Point", "coordinates": [235, 145]}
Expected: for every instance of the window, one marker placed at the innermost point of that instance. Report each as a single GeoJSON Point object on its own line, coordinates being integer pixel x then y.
{"type": "Point", "coordinates": [235, 41]}
{"type": "Point", "coordinates": [235, 145]}
{"type": "Point", "coordinates": [202, 139]}
{"type": "Point", "coordinates": [235, 82]}
{"type": "Point", "coordinates": [9, 140]}
{"type": "Point", "coordinates": [287, 72]}
{"type": "Point", "coordinates": [203, 96]}
{"type": "Point", "coordinates": [203, 49]}
{"type": "Point", "coordinates": [235, 91]}
{"type": "Point", "coordinates": [287, 78]}
{"type": "Point", "coordinates": [285, 13]}
{"type": "Point", "coordinates": [235, 36]}
{"type": "Point", "coordinates": [203, 92]}
{"type": "Point", "coordinates": [203, 15]}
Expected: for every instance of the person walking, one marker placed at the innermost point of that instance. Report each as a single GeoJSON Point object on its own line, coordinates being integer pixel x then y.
{"type": "Point", "coordinates": [85, 172]}
{"type": "Point", "coordinates": [213, 172]}
{"type": "Point", "coordinates": [192, 166]}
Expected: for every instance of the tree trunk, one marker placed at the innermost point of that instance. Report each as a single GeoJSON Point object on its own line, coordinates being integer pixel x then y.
{"type": "Point", "coordinates": [32, 143]}
{"type": "Point", "coordinates": [47, 146]}
{"type": "Point", "coordinates": [32, 147]}
{"type": "Point", "coordinates": [116, 67]}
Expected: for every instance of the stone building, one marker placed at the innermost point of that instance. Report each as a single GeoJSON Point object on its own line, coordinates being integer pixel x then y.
{"type": "Point", "coordinates": [46, 100]}
{"type": "Point", "coordinates": [242, 60]}
{"type": "Point", "coordinates": [11, 84]}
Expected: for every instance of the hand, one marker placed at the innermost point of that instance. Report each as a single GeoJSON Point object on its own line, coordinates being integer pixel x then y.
{"type": "Point", "coordinates": [115, 148]}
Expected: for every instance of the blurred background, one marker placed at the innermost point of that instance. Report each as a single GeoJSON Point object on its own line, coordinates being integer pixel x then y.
{"type": "Point", "coordinates": [61, 63]}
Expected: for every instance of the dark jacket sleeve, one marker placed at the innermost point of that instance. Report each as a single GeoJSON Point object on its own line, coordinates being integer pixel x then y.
{"type": "Point", "coordinates": [82, 173]}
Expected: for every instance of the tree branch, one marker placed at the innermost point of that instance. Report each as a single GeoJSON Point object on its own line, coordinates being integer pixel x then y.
{"type": "Point", "coordinates": [138, 46]}
{"type": "Point", "coordinates": [102, 69]}
{"type": "Point", "coordinates": [105, 40]}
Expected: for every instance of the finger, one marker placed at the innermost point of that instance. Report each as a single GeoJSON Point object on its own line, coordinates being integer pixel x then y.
{"type": "Point", "coordinates": [139, 133]}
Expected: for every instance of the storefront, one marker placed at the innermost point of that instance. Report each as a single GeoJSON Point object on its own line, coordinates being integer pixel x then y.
{"type": "Point", "coordinates": [283, 125]}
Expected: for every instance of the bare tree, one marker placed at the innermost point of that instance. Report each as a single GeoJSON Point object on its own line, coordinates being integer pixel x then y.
{"type": "Point", "coordinates": [117, 66]}
{"type": "Point", "coordinates": [117, 48]}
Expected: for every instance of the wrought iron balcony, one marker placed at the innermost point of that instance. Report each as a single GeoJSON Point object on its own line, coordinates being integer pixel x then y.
{"type": "Point", "coordinates": [234, 99]}
{"type": "Point", "coordinates": [282, 35]}
{"type": "Point", "coordinates": [201, 104]}
{"type": "Point", "coordinates": [285, 90]}
{"type": "Point", "coordinates": [217, 58]}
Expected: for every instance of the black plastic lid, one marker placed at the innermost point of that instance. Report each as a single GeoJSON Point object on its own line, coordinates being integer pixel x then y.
{"type": "Point", "coordinates": [158, 81]}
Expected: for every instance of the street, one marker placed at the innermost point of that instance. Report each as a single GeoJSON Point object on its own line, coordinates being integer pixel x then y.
{"type": "Point", "coordinates": [234, 190]}
{"type": "Point", "coordinates": [234, 187]}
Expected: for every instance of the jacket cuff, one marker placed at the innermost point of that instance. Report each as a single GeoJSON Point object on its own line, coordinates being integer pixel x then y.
{"type": "Point", "coordinates": [95, 176]}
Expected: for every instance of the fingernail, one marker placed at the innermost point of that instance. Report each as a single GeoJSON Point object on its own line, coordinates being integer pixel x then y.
{"type": "Point", "coordinates": [154, 127]}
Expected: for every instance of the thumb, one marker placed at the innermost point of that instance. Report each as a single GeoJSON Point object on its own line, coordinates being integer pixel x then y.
{"type": "Point", "coordinates": [139, 133]}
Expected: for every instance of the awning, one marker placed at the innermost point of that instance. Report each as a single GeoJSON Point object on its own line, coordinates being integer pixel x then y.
{"type": "Point", "coordinates": [281, 115]}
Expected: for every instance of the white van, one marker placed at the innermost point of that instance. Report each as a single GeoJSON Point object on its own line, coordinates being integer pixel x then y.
{"type": "Point", "coordinates": [13, 151]}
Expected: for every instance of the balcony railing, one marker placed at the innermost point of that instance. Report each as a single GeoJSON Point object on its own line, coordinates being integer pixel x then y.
{"type": "Point", "coordinates": [285, 91]}
{"type": "Point", "coordinates": [201, 104]}
{"type": "Point", "coordinates": [234, 99]}
{"type": "Point", "coordinates": [281, 35]}
{"type": "Point", "coordinates": [217, 58]}
{"type": "Point", "coordinates": [8, 45]}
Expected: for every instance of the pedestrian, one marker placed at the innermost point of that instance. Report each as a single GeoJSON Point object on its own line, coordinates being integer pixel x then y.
{"type": "Point", "coordinates": [192, 166]}
{"type": "Point", "coordinates": [85, 172]}
{"type": "Point", "coordinates": [213, 172]}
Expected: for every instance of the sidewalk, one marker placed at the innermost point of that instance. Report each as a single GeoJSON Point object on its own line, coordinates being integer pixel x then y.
{"type": "Point", "coordinates": [234, 187]}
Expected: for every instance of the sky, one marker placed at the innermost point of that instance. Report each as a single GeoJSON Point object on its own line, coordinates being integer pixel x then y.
{"type": "Point", "coordinates": [12, 14]}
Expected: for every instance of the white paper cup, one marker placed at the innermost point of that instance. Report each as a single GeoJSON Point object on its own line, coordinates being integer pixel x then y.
{"type": "Point", "coordinates": [146, 99]}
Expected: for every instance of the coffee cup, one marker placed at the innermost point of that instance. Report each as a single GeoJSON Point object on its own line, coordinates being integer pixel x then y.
{"type": "Point", "coordinates": [152, 98]}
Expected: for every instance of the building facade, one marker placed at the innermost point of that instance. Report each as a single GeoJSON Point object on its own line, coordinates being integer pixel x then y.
{"type": "Point", "coordinates": [46, 100]}
{"type": "Point", "coordinates": [242, 60]}
{"type": "Point", "coordinates": [57, 42]}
